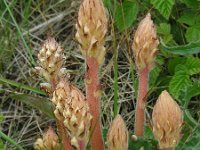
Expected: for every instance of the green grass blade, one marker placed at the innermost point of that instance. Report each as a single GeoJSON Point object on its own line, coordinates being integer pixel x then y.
{"type": "Point", "coordinates": [11, 141]}
{"type": "Point", "coordinates": [20, 85]}
{"type": "Point", "coordinates": [40, 103]}
{"type": "Point", "coordinates": [21, 35]}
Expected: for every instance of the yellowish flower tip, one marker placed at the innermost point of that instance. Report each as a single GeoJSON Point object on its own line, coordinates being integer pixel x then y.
{"type": "Point", "coordinates": [39, 145]}
{"type": "Point", "coordinates": [117, 138]}
{"type": "Point", "coordinates": [77, 117]}
{"type": "Point", "coordinates": [167, 121]}
{"type": "Point", "coordinates": [51, 59]}
{"type": "Point", "coordinates": [50, 139]}
{"type": "Point", "coordinates": [91, 29]}
{"type": "Point", "coordinates": [145, 44]}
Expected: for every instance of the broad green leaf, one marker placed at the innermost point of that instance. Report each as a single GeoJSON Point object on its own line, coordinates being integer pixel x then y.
{"type": "Point", "coordinates": [164, 28]}
{"type": "Point", "coordinates": [108, 4]}
{"type": "Point", "coordinates": [191, 48]}
{"type": "Point", "coordinates": [179, 82]}
{"type": "Point", "coordinates": [193, 33]}
{"type": "Point", "coordinates": [126, 14]}
{"type": "Point", "coordinates": [153, 76]}
{"type": "Point", "coordinates": [192, 91]}
{"type": "Point", "coordinates": [194, 4]}
{"type": "Point", "coordinates": [192, 142]}
{"type": "Point", "coordinates": [189, 17]}
{"type": "Point", "coordinates": [163, 6]}
{"type": "Point", "coordinates": [40, 103]}
{"type": "Point", "coordinates": [193, 65]}
{"type": "Point", "coordinates": [20, 85]}
{"type": "Point", "coordinates": [173, 62]}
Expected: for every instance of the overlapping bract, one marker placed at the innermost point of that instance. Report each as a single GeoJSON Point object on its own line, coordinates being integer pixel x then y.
{"type": "Point", "coordinates": [72, 108]}
{"type": "Point", "coordinates": [145, 44]}
{"type": "Point", "coordinates": [91, 29]}
{"type": "Point", "coordinates": [167, 121]}
{"type": "Point", "coordinates": [49, 141]}
{"type": "Point", "coordinates": [117, 138]}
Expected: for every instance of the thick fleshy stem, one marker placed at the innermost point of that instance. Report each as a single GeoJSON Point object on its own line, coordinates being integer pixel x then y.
{"type": "Point", "coordinates": [66, 145]}
{"type": "Point", "coordinates": [81, 145]}
{"type": "Point", "coordinates": [93, 97]}
{"type": "Point", "coordinates": [140, 106]}
{"type": "Point", "coordinates": [65, 140]}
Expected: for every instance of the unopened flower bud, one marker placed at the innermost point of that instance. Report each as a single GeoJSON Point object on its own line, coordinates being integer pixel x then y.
{"type": "Point", "coordinates": [91, 29]}
{"type": "Point", "coordinates": [167, 121]}
{"type": "Point", "coordinates": [117, 138]}
{"type": "Point", "coordinates": [145, 44]}
{"type": "Point", "coordinates": [39, 144]}
{"type": "Point", "coordinates": [50, 140]}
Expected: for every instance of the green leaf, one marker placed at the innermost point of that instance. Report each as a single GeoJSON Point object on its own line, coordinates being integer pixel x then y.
{"type": "Point", "coordinates": [189, 18]}
{"type": "Point", "coordinates": [192, 91]}
{"type": "Point", "coordinates": [143, 143]}
{"type": "Point", "coordinates": [173, 63]}
{"type": "Point", "coordinates": [126, 14]}
{"type": "Point", "coordinates": [191, 48]}
{"type": "Point", "coordinates": [20, 85]}
{"type": "Point", "coordinates": [163, 6]}
{"type": "Point", "coordinates": [193, 65]}
{"type": "Point", "coordinates": [39, 103]}
{"type": "Point", "coordinates": [192, 3]}
{"type": "Point", "coordinates": [179, 82]}
{"type": "Point", "coordinates": [164, 28]}
{"type": "Point", "coordinates": [193, 142]}
{"type": "Point", "coordinates": [193, 33]}
{"type": "Point", "coordinates": [153, 76]}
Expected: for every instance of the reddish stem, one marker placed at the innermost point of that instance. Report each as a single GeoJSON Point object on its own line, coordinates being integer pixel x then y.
{"type": "Point", "coordinates": [140, 106]}
{"type": "Point", "coordinates": [81, 145]}
{"type": "Point", "coordinates": [66, 145]}
{"type": "Point", "coordinates": [93, 97]}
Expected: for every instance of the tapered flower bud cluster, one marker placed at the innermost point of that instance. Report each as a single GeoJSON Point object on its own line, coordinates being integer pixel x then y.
{"type": "Point", "coordinates": [73, 110]}
{"type": "Point", "coordinates": [117, 138]}
{"type": "Point", "coordinates": [51, 59]}
{"type": "Point", "coordinates": [91, 29]}
{"type": "Point", "coordinates": [60, 96]}
{"type": "Point", "coordinates": [167, 121]}
{"type": "Point", "coordinates": [145, 44]}
{"type": "Point", "coordinates": [48, 142]}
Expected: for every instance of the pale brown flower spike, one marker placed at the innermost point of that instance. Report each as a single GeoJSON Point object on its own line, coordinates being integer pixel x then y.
{"type": "Point", "coordinates": [49, 141]}
{"type": "Point", "coordinates": [167, 121]}
{"type": "Point", "coordinates": [91, 30]}
{"type": "Point", "coordinates": [145, 44]}
{"type": "Point", "coordinates": [144, 47]}
{"type": "Point", "coordinates": [117, 138]}
{"type": "Point", "coordinates": [51, 59]}
{"type": "Point", "coordinates": [73, 110]}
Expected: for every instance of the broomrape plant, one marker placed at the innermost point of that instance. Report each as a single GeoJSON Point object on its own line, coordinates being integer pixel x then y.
{"type": "Point", "coordinates": [78, 115]}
